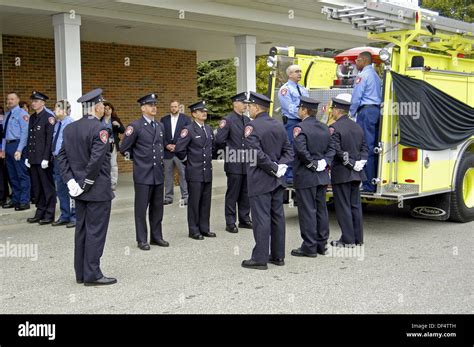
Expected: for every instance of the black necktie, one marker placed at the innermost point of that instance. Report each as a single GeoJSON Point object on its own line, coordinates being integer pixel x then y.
{"type": "Point", "coordinates": [204, 130]}
{"type": "Point", "coordinates": [298, 87]}
{"type": "Point", "coordinates": [6, 124]}
{"type": "Point", "coordinates": [153, 124]}
{"type": "Point", "coordinates": [56, 136]}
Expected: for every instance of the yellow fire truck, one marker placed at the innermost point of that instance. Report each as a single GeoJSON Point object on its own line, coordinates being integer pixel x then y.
{"type": "Point", "coordinates": [437, 184]}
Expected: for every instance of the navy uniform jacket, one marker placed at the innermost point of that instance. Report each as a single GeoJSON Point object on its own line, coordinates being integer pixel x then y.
{"type": "Point", "coordinates": [145, 146]}
{"type": "Point", "coordinates": [267, 138]}
{"type": "Point", "coordinates": [312, 142]}
{"type": "Point", "coordinates": [40, 137]}
{"type": "Point", "coordinates": [183, 120]}
{"type": "Point", "coordinates": [85, 156]}
{"type": "Point", "coordinates": [198, 150]}
{"type": "Point", "coordinates": [230, 134]}
{"type": "Point", "coordinates": [349, 143]}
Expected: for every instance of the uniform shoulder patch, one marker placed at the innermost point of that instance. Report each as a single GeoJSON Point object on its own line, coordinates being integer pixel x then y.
{"type": "Point", "coordinates": [222, 123]}
{"type": "Point", "coordinates": [26, 118]}
{"type": "Point", "coordinates": [129, 130]}
{"type": "Point", "coordinates": [248, 130]}
{"type": "Point", "coordinates": [296, 131]}
{"type": "Point", "coordinates": [358, 80]}
{"type": "Point", "coordinates": [283, 91]}
{"type": "Point", "coordinates": [184, 133]}
{"type": "Point", "coordinates": [52, 120]}
{"type": "Point", "coordinates": [104, 136]}
{"type": "Point", "coordinates": [331, 130]}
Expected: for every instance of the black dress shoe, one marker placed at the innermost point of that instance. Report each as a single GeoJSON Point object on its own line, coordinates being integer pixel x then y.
{"type": "Point", "coordinates": [196, 236]}
{"type": "Point", "coordinates": [71, 225]}
{"type": "Point", "coordinates": [251, 264]}
{"type": "Point", "coordinates": [59, 222]}
{"type": "Point", "coordinates": [144, 246]}
{"type": "Point", "coordinates": [102, 281]}
{"type": "Point", "coordinates": [322, 252]}
{"type": "Point", "coordinates": [79, 281]}
{"type": "Point", "coordinates": [209, 234]}
{"type": "Point", "coordinates": [33, 220]}
{"type": "Point", "coordinates": [300, 253]}
{"type": "Point", "coordinates": [245, 225]}
{"type": "Point", "coordinates": [231, 228]}
{"type": "Point", "coordinates": [277, 261]}
{"type": "Point", "coordinates": [8, 205]}
{"type": "Point", "coordinates": [167, 202]}
{"type": "Point", "coordinates": [45, 221]}
{"type": "Point", "coordinates": [22, 207]}
{"type": "Point", "coordinates": [337, 243]}
{"type": "Point", "coordinates": [161, 243]}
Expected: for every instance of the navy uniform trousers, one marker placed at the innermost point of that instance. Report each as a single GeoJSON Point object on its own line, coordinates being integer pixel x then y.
{"type": "Point", "coordinates": [236, 193]}
{"type": "Point", "coordinates": [269, 237]}
{"type": "Point", "coordinates": [199, 207]}
{"type": "Point", "coordinates": [151, 197]}
{"type": "Point", "coordinates": [44, 190]}
{"type": "Point", "coordinates": [349, 211]}
{"type": "Point", "coordinates": [91, 230]}
{"type": "Point", "coordinates": [313, 218]}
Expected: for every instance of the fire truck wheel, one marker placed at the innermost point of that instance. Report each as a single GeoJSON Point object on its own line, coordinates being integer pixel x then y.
{"type": "Point", "coordinates": [462, 199]}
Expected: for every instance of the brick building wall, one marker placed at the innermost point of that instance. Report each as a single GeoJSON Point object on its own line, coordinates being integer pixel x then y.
{"type": "Point", "coordinates": [124, 72]}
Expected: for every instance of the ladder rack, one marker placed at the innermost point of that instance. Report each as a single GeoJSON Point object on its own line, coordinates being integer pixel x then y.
{"type": "Point", "coordinates": [380, 17]}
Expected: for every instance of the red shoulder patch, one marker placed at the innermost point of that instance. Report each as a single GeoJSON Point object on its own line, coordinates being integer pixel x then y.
{"type": "Point", "coordinates": [296, 131]}
{"type": "Point", "coordinates": [26, 118]}
{"type": "Point", "coordinates": [358, 80]}
{"type": "Point", "coordinates": [104, 136]}
{"type": "Point", "coordinates": [184, 133]}
{"type": "Point", "coordinates": [331, 130]}
{"type": "Point", "coordinates": [248, 130]}
{"type": "Point", "coordinates": [129, 131]}
{"type": "Point", "coordinates": [222, 123]}
{"type": "Point", "coordinates": [283, 91]}
{"type": "Point", "coordinates": [52, 120]}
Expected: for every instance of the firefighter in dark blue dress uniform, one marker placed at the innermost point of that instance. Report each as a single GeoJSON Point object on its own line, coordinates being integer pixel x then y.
{"type": "Point", "coordinates": [144, 144]}
{"type": "Point", "coordinates": [196, 147]}
{"type": "Point", "coordinates": [347, 172]}
{"type": "Point", "coordinates": [84, 160]}
{"type": "Point", "coordinates": [313, 156]}
{"type": "Point", "coordinates": [39, 159]}
{"type": "Point", "coordinates": [267, 138]}
{"type": "Point", "coordinates": [230, 136]}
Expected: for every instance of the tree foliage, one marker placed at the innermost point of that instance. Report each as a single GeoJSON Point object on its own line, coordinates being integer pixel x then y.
{"type": "Point", "coordinates": [456, 9]}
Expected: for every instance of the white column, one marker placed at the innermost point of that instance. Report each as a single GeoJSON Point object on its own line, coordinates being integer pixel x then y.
{"type": "Point", "coordinates": [245, 63]}
{"type": "Point", "coordinates": [67, 44]}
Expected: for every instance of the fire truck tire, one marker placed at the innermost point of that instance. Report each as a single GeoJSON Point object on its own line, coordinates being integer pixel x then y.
{"type": "Point", "coordinates": [462, 199]}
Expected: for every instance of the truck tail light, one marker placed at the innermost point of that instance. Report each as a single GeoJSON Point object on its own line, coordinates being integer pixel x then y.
{"type": "Point", "coordinates": [410, 154]}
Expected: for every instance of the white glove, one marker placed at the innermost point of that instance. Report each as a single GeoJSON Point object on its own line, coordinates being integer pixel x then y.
{"type": "Point", "coordinates": [27, 163]}
{"type": "Point", "coordinates": [74, 188]}
{"type": "Point", "coordinates": [281, 170]}
{"type": "Point", "coordinates": [359, 165]}
{"type": "Point", "coordinates": [44, 164]}
{"type": "Point", "coordinates": [321, 165]}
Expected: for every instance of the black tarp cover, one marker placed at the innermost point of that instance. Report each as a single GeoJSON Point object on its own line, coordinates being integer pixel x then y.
{"type": "Point", "coordinates": [442, 121]}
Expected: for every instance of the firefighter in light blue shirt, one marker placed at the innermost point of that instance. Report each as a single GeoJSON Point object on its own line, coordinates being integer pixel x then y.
{"type": "Point", "coordinates": [365, 106]}
{"type": "Point", "coordinates": [63, 119]}
{"type": "Point", "coordinates": [14, 141]}
{"type": "Point", "coordinates": [289, 96]}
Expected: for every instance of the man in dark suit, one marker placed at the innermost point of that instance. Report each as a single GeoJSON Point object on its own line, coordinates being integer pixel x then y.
{"type": "Point", "coordinates": [173, 124]}
{"type": "Point", "coordinates": [84, 160]}
{"type": "Point", "coordinates": [313, 155]}
{"type": "Point", "coordinates": [144, 144]}
{"type": "Point", "coordinates": [196, 146]}
{"type": "Point", "coordinates": [230, 136]}
{"type": "Point", "coordinates": [347, 172]}
{"type": "Point", "coordinates": [39, 159]}
{"type": "Point", "coordinates": [267, 138]}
